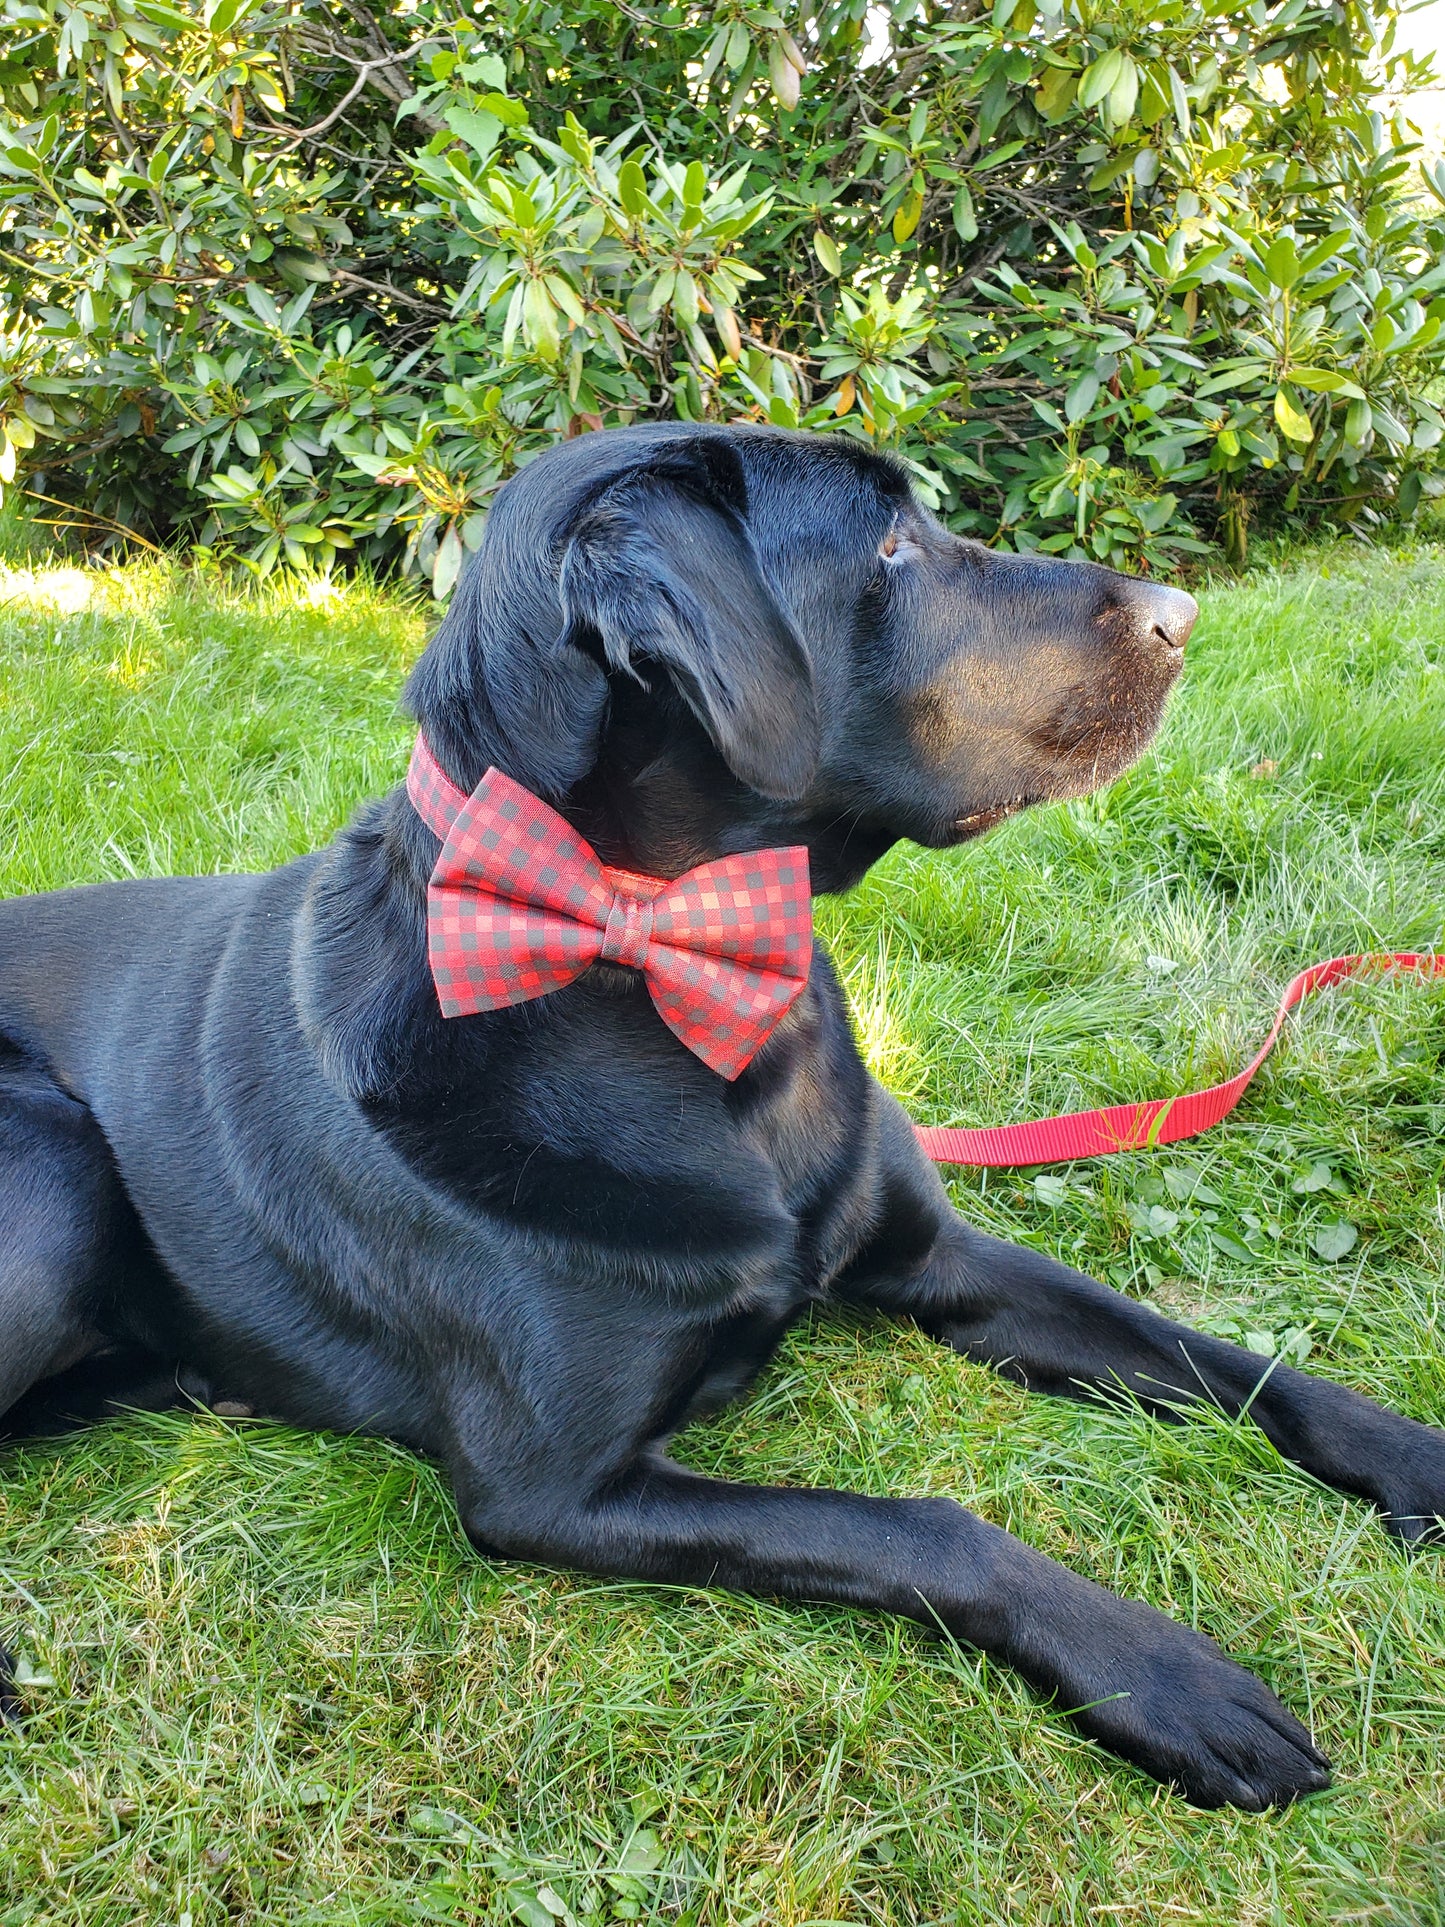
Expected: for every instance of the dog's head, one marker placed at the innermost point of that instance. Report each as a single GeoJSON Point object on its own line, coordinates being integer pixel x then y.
{"type": "Point", "coordinates": [697, 640]}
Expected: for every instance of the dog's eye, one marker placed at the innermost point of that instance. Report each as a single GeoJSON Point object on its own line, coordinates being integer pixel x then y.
{"type": "Point", "coordinates": [897, 546]}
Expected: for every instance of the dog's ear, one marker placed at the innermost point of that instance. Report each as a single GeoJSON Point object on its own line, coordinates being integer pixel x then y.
{"type": "Point", "coordinates": [662, 568]}
{"type": "Point", "coordinates": [496, 685]}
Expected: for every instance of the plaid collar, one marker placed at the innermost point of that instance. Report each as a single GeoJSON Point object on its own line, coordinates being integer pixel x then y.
{"type": "Point", "coordinates": [519, 905]}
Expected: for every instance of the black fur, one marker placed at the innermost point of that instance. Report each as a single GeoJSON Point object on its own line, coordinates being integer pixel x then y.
{"type": "Point", "coordinates": [12, 1709]}
{"type": "Point", "coordinates": [242, 1156]}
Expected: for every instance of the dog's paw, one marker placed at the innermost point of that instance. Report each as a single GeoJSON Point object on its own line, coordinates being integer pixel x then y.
{"type": "Point", "coordinates": [1409, 1486]}
{"type": "Point", "coordinates": [1416, 1519]}
{"type": "Point", "coordinates": [1190, 1716]}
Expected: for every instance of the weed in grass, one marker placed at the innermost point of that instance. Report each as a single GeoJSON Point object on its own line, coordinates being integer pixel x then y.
{"type": "Point", "coordinates": [271, 1684]}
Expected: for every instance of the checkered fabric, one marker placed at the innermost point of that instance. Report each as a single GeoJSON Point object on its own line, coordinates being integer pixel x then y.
{"type": "Point", "coordinates": [519, 905]}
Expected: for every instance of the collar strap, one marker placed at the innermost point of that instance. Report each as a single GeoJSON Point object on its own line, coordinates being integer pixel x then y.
{"type": "Point", "coordinates": [432, 793]}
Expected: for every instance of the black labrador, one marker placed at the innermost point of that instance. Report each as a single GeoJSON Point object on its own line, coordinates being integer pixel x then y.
{"type": "Point", "coordinates": [243, 1154]}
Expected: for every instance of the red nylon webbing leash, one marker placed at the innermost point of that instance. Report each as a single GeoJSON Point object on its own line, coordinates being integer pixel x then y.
{"type": "Point", "coordinates": [1163, 1120]}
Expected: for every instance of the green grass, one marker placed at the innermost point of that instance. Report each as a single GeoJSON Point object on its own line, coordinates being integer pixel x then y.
{"type": "Point", "coordinates": [274, 1686]}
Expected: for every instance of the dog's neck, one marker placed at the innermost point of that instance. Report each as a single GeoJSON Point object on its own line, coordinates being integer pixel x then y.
{"type": "Point", "coordinates": [657, 799]}
{"type": "Point", "coordinates": [662, 809]}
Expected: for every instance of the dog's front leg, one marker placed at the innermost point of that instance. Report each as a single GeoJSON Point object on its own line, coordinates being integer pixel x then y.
{"type": "Point", "coordinates": [1055, 1330]}
{"type": "Point", "coordinates": [1148, 1688]}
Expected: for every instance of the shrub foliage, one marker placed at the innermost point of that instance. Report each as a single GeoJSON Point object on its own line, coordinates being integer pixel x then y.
{"type": "Point", "coordinates": [292, 277]}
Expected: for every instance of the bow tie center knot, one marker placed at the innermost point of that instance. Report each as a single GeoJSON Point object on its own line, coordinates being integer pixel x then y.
{"type": "Point", "coordinates": [628, 933]}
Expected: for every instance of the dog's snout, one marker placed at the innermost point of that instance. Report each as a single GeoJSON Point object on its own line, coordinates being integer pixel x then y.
{"type": "Point", "coordinates": [1167, 614]}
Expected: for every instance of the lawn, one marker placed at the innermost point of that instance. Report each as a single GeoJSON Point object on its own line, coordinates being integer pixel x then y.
{"type": "Point", "coordinates": [271, 1684]}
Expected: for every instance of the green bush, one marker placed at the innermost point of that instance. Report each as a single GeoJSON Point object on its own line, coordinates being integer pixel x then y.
{"type": "Point", "coordinates": [291, 277]}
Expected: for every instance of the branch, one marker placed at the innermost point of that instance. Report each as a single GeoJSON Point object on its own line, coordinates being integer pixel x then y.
{"type": "Point", "coordinates": [374, 62]}
{"type": "Point", "coordinates": [909, 69]}
{"type": "Point", "coordinates": [396, 294]}
{"type": "Point", "coordinates": [360, 160]}
{"type": "Point", "coordinates": [92, 515]}
{"type": "Point", "coordinates": [365, 70]}
{"type": "Point", "coordinates": [363, 73]}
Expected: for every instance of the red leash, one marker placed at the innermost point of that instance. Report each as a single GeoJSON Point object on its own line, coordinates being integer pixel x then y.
{"type": "Point", "coordinates": [1163, 1120]}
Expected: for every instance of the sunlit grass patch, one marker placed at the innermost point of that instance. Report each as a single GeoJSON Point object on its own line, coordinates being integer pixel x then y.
{"type": "Point", "coordinates": [59, 590]}
{"type": "Point", "coordinates": [192, 723]}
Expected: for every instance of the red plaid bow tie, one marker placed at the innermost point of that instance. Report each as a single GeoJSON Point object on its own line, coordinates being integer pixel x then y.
{"type": "Point", "coordinates": [519, 905]}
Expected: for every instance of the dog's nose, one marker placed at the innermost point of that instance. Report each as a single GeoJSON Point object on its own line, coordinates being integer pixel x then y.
{"type": "Point", "coordinates": [1169, 613]}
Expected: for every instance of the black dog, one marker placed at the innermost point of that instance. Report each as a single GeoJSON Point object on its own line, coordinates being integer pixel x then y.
{"type": "Point", "coordinates": [241, 1150]}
